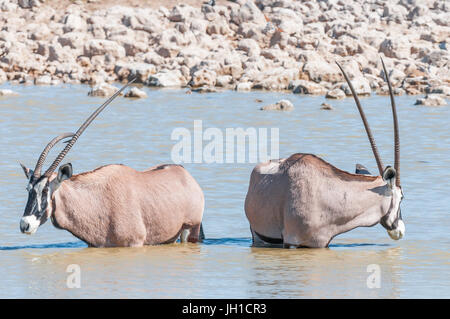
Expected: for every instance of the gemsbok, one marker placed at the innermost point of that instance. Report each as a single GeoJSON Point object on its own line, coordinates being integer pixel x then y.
{"type": "Point", "coordinates": [303, 201]}
{"type": "Point", "coordinates": [114, 205]}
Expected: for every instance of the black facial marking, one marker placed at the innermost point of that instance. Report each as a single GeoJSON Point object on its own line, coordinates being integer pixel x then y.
{"type": "Point", "coordinates": [31, 207]}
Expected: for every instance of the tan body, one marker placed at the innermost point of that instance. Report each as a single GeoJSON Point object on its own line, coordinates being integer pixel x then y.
{"type": "Point", "coordinates": [305, 201]}
{"type": "Point", "coordinates": [116, 205]}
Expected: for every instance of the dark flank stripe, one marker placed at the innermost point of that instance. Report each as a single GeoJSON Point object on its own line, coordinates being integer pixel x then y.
{"type": "Point", "coordinates": [270, 240]}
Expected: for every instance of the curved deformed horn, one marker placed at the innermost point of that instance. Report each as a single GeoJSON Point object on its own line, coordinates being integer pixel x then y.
{"type": "Point", "coordinates": [366, 124]}
{"type": "Point", "coordinates": [396, 131]}
{"type": "Point", "coordinates": [41, 160]}
{"type": "Point", "coordinates": [63, 153]}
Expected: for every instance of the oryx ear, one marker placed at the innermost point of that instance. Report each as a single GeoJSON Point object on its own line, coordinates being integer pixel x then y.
{"type": "Point", "coordinates": [65, 172]}
{"type": "Point", "coordinates": [28, 172]}
{"type": "Point", "coordinates": [389, 176]}
{"type": "Point", "coordinates": [361, 169]}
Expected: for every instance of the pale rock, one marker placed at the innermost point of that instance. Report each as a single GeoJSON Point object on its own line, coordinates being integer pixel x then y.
{"type": "Point", "coordinates": [395, 76]}
{"type": "Point", "coordinates": [250, 47]}
{"type": "Point", "coordinates": [43, 80]}
{"type": "Point", "coordinates": [307, 87]}
{"type": "Point", "coordinates": [7, 92]}
{"type": "Point", "coordinates": [431, 100]}
{"type": "Point", "coordinates": [141, 71]}
{"type": "Point", "coordinates": [441, 89]}
{"type": "Point", "coordinates": [3, 76]}
{"type": "Point", "coordinates": [73, 22]}
{"type": "Point", "coordinates": [361, 86]}
{"type": "Point", "coordinates": [282, 105]}
{"type": "Point", "coordinates": [224, 80]}
{"type": "Point", "coordinates": [153, 58]}
{"type": "Point", "coordinates": [167, 78]}
{"type": "Point", "coordinates": [326, 106]}
{"type": "Point", "coordinates": [72, 39]}
{"type": "Point", "coordinates": [250, 30]}
{"type": "Point", "coordinates": [58, 53]}
{"type": "Point", "coordinates": [396, 47]}
{"type": "Point", "coordinates": [27, 4]}
{"type": "Point", "coordinates": [218, 26]}
{"type": "Point", "coordinates": [103, 90]}
{"type": "Point", "coordinates": [287, 20]}
{"type": "Point", "coordinates": [384, 90]}
{"type": "Point", "coordinates": [243, 86]}
{"type": "Point", "coordinates": [182, 12]}
{"type": "Point", "coordinates": [248, 12]}
{"type": "Point", "coordinates": [203, 77]}
{"type": "Point", "coordinates": [205, 89]}
{"type": "Point", "coordinates": [136, 93]}
{"type": "Point", "coordinates": [335, 94]}
{"type": "Point", "coordinates": [317, 69]}
{"type": "Point", "coordinates": [101, 47]}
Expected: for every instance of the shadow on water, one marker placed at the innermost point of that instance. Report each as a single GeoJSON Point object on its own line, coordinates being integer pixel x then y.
{"type": "Point", "coordinates": [74, 244]}
{"type": "Point", "coordinates": [239, 241]}
{"type": "Point", "coordinates": [357, 245]}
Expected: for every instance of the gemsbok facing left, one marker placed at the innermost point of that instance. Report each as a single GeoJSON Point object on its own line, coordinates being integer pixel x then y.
{"type": "Point", "coordinates": [114, 205]}
{"type": "Point", "coordinates": [303, 201]}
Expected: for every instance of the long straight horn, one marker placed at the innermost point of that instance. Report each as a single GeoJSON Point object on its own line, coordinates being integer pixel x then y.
{"type": "Point", "coordinates": [63, 153]}
{"type": "Point", "coordinates": [41, 160]}
{"type": "Point", "coordinates": [366, 124]}
{"type": "Point", "coordinates": [396, 131]}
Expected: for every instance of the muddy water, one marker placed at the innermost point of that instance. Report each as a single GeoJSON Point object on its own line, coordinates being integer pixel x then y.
{"type": "Point", "coordinates": [138, 133]}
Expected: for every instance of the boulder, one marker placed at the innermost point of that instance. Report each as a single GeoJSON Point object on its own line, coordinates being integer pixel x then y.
{"type": "Point", "coordinates": [431, 100]}
{"type": "Point", "coordinates": [102, 47]}
{"type": "Point", "coordinates": [7, 92]}
{"type": "Point", "coordinates": [103, 90]}
{"type": "Point", "coordinates": [248, 12]}
{"type": "Point", "coordinates": [43, 80]}
{"type": "Point", "coordinates": [396, 47]}
{"type": "Point", "coordinates": [141, 71]}
{"type": "Point", "coordinates": [134, 92]}
{"type": "Point", "coordinates": [361, 86]}
{"type": "Point", "coordinates": [73, 22]}
{"type": "Point", "coordinates": [167, 78]}
{"type": "Point", "coordinates": [335, 94]}
{"type": "Point", "coordinates": [307, 87]}
{"type": "Point", "coordinates": [250, 47]}
{"type": "Point", "coordinates": [243, 86]}
{"type": "Point", "coordinates": [203, 77]}
{"type": "Point", "coordinates": [326, 106]}
{"type": "Point", "coordinates": [318, 70]}
{"type": "Point", "coordinates": [282, 105]}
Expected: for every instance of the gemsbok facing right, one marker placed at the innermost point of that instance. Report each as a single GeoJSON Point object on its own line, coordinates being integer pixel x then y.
{"type": "Point", "coordinates": [303, 201]}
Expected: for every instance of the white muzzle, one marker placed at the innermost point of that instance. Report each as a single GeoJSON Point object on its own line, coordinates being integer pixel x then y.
{"type": "Point", "coordinates": [398, 232]}
{"type": "Point", "coordinates": [29, 224]}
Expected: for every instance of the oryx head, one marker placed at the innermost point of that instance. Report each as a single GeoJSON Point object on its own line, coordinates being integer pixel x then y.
{"type": "Point", "coordinates": [41, 187]}
{"type": "Point", "coordinates": [392, 219]}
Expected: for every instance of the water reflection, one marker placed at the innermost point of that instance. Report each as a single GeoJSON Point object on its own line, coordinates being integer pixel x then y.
{"type": "Point", "coordinates": [319, 273]}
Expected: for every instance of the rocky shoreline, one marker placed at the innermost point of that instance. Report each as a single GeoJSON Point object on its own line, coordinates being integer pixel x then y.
{"type": "Point", "coordinates": [240, 45]}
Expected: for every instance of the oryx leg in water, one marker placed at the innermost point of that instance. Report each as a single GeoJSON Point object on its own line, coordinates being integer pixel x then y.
{"type": "Point", "coordinates": [113, 205]}
{"type": "Point", "coordinates": [303, 201]}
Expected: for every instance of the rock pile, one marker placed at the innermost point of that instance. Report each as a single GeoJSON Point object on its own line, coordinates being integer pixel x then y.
{"type": "Point", "coordinates": [241, 45]}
